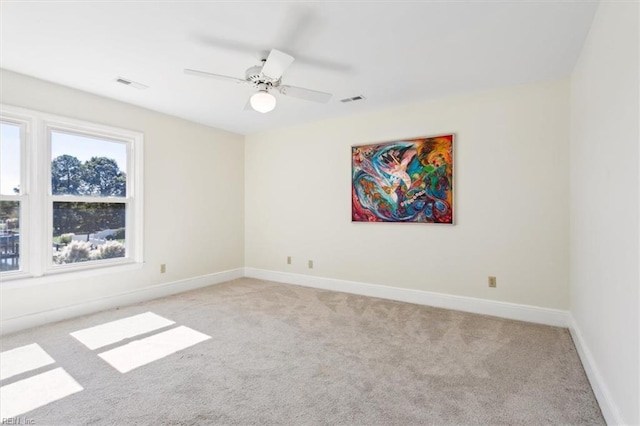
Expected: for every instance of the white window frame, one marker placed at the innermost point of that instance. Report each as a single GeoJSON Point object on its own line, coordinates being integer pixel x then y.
{"type": "Point", "coordinates": [25, 125]}
{"type": "Point", "coordinates": [37, 250]}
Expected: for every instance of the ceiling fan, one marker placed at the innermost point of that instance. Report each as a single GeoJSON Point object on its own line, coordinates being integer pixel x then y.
{"type": "Point", "coordinates": [267, 77]}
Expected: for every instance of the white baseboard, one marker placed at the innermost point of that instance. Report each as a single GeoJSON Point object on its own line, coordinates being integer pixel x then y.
{"type": "Point", "coordinates": [607, 406]}
{"type": "Point", "coordinates": [514, 311]}
{"type": "Point", "coordinates": [527, 313]}
{"type": "Point", "coordinates": [11, 325]}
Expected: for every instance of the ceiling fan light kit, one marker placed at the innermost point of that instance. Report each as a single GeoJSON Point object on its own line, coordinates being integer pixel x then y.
{"type": "Point", "coordinates": [265, 77]}
{"type": "Point", "coordinates": [263, 101]}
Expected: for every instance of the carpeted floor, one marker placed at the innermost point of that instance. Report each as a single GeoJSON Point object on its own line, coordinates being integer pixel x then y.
{"type": "Point", "coordinates": [287, 355]}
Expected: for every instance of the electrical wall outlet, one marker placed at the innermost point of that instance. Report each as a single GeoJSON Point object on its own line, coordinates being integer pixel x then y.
{"type": "Point", "coordinates": [311, 264]}
{"type": "Point", "coordinates": [163, 268]}
{"type": "Point", "coordinates": [492, 282]}
{"type": "Point", "coordinates": [288, 260]}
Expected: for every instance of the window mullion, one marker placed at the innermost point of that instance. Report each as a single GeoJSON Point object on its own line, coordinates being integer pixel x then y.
{"type": "Point", "coordinates": [37, 189]}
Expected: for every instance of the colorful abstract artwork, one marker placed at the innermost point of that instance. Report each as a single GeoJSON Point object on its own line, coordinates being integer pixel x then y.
{"type": "Point", "coordinates": [403, 181]}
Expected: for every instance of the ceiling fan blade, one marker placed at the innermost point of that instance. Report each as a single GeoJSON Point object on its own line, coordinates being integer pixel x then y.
{"type": "Point", "coordinates": [276, 64]}
{"type": "Point", "coordinates": [223, 43]}
{"type": "Point", "coordinates": [306, 94]}
{"type": "Point", "coordinates": [216, 76]}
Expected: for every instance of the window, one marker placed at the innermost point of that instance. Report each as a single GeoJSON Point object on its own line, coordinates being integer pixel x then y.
{"type": "Point", "coordinates": [71, 195]}
{"type": "Point", "coordinates": [88, 198]}
{"type": "Point", "coordinates": [12, 199]}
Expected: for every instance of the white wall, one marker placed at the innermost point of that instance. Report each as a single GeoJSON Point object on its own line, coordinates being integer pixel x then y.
{"type": "Point", "coordinates": [511, 199]}
{"type": "Point", "coordinates": [604, 209]}
{"type": "Point", "coordinates": [193, 198]}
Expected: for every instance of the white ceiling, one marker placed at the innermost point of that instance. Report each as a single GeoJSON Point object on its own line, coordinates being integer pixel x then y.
{"type": "Point", "coordinates": [390, 52]}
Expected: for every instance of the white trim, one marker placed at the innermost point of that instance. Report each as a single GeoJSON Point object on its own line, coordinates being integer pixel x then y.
{"type": "Point", "coordinates": [534, 314]}
{"type": "Point", "coordinates": [555, 317]}
{"type": "Point", "coordinates": [36, 225]}
{"type": "Point", "coordinates": [133, 200]}
{"type": "Point", "coordinates": [25, 124]}
{"type": "Point", "coordinates": [603, 396]}
{"type": "Point", "coordinates": [27, 280]}
{"type": "Point", "coordinates": [14, 324]}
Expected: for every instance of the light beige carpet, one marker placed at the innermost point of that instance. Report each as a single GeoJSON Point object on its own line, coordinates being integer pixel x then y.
{"type": "Point", "coordinates": [287, 355]}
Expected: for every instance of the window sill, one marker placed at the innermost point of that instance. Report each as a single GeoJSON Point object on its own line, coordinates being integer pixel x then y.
{"type": "Point", "coordinates": [23, 281]}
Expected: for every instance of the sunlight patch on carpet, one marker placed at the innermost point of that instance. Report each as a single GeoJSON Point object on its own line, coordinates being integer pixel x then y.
{"type": "Point", "coordinates": [116, 331]}
{"type": "Point", "coordinates": [23, 359]}
{"type": "Point", "coordinates": [29, 394]}
{"type": "Point", "coordinates": [144, 351]}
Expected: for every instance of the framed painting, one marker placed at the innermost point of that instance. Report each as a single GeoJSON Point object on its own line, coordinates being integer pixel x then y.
{"type": "Point", "coordinates": [403, 181]}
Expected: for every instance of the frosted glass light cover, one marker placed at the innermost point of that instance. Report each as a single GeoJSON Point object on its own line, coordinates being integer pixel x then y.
{"type": "Point", "coordinates": [263, 101]}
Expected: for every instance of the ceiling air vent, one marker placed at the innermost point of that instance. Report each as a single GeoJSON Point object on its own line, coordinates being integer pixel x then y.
{"type": "Point", "coordinates": [131, 83]}
{"type": "Point", "coordinates": [353, 99]}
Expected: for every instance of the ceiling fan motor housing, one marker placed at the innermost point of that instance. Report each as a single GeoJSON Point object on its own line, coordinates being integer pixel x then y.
{"type": "Point", "coordinates": [255, 76]}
